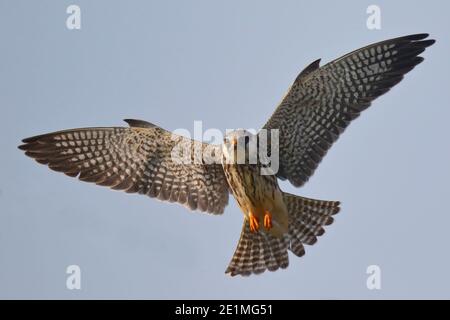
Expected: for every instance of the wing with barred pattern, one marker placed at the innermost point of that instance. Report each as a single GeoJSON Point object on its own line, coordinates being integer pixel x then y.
{"type": "Point", "coordinates": [324, 100]}
{"type": "Point", "coordinates": [137, 159]}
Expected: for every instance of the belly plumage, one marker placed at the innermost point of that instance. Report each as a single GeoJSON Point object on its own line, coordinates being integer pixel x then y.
{"type": "Point", "coordinates": [257, 195]}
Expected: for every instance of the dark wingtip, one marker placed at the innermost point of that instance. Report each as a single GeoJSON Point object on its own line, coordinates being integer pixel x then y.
{"type": "Point", "coordinates": [419, 60]}
{"type": "Point", "coordinates": [139, 123]}
{"type": "Point", "coordinates": [27, 141]}
{"type": "Point", "coordinates": [309, 68]}
{"type": "Point", "coordinates": [38, 137]}
{"type": "Point", "coordinates": [427, 43]}
{"type": "Point", "coordinates": [30, 139]}
{"type": "Point", "coordinates": [417, 36]}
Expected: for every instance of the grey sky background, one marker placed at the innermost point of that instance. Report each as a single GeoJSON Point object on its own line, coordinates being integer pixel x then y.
{"type": "Point", "coordinates": [228, 64]}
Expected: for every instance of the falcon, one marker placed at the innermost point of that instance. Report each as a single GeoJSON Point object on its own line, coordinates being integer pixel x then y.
{"type": "Point", "coordinates": [317, 108]}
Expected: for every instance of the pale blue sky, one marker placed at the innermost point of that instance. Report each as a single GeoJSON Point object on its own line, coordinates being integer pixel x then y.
{"type": "Point", "coordinates": [228, 64]}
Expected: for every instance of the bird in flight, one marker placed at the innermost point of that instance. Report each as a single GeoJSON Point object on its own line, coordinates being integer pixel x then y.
{"type": "Point", "coordinates": [317, 108]}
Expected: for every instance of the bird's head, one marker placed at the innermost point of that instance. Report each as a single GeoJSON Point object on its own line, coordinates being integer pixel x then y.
{"type": "Point", "coordinates": [238, 145]}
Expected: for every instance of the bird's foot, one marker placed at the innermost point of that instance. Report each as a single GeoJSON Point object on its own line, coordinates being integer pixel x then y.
{"type": "Point", "coordinates": [268, 220]}
{"type": "Point", "coordinates": [254, 224]}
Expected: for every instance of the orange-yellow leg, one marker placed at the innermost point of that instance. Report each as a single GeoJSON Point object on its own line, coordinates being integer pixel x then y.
{"type": "Point", "coordinates": [254, 225]}
{"type": "Point", "coordinates": [267, 220]}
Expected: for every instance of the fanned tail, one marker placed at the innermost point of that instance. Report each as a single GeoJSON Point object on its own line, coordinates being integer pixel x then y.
{"type": "Point", "coordinates": [261, 251]}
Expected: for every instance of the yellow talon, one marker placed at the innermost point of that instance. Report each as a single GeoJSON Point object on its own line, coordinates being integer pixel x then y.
{"type": "Point", "coordinates": [254, 225]}
{"type": "Point", "coordinates": [268, 220]}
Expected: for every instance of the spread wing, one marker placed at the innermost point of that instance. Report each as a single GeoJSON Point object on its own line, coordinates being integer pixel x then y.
{"type": "Point", "coordinates": [323, 101]}
{"type": "Point", "coordinates": [136, 159]}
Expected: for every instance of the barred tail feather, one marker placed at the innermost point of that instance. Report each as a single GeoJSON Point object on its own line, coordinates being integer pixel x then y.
{"type": "Point", "coordinates": [306, 220]}
{"type": "Point", "coordinates": [261, 251]}
{"type": "Point", "coordinates": [258, 252]}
